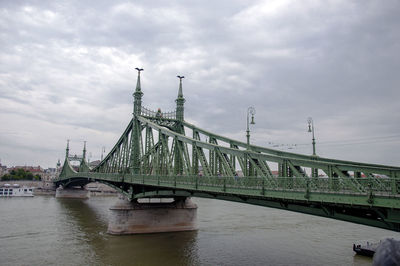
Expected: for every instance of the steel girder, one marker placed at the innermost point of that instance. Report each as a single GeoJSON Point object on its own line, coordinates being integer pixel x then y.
{"type": "Point", "coordinates": [176, 153]}
{"type": "Point", "coordinates": [158, 156]}
{"type": "Point", "coordinates": [161, 155]}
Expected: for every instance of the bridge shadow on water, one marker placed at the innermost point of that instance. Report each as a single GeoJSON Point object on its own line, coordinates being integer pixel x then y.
{"type": "Point", "coordinates": [91, 220]}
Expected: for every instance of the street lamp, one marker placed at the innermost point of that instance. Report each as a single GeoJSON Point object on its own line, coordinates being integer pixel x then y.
{"type": "Point", "coordinates": [311, 130]}
{"type": "Point", "coordinates": [251, 111]}
{"type": "Point", "coordinates": [103, 150]}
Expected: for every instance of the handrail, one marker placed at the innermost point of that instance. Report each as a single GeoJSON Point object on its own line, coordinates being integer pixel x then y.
{"type": "Point", "coordinates": [150, 113]}
{"type": "Point", "coordinates": [336, 185]}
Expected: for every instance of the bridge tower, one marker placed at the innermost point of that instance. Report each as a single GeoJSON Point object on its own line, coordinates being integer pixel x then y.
{"type": "Point", "coordinates": [180, 101]}
{"type": "Point", "coordinates": [84, 166]}
{"type": "Point", "coordinates": [135, 143]}
{"type": "Point", "coordinates": [77, 191]}
{"type": "Point", "coordinates": [132, 217]}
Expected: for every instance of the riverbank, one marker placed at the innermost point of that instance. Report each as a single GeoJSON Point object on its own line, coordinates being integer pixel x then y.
{"type": "Point", "coordinates": [29, 183]}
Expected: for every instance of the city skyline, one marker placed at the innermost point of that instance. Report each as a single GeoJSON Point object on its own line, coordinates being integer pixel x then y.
{"type": "Point", "coordinates": [68, 72]}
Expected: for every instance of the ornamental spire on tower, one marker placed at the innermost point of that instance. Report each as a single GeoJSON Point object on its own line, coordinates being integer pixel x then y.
{"type": "Point", "coordinates": [84, 150]}
{"type": "Point", "coordinates": [180, 93]}
{"type": "Point", "coordinates": [67, 149]}
{"type": "Point", "coordinates": [137, 95]}
{"type": "Point", "coordinates": [138, 88]}
{"type": "Point", "coordinates": [180, 101]}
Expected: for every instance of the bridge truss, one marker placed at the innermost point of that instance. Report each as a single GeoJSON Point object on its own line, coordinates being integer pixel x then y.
{"type": "Point", "coordinates": [161, 155]}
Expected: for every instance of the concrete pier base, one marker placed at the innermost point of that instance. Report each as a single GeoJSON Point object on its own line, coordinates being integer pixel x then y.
{"type": "Point", "coordinates": [72, 193]}
{"type": "Point", "coordinates": [139, 218]}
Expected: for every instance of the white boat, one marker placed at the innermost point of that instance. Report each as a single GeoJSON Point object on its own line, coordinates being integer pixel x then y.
{"type": "Point", "coordinates": [15, 191]}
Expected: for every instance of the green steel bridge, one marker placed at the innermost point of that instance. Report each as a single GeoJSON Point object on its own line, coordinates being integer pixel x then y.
{"type": "Point", "coordinates": [161, 155]}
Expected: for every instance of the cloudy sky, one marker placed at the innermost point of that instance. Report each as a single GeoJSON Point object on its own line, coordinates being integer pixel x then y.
{"type": "Point", "coordinates": [67, 72]}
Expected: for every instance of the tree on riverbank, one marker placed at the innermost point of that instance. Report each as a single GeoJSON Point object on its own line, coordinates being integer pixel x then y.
{"type": "Point", "coordinates": [20, 174]}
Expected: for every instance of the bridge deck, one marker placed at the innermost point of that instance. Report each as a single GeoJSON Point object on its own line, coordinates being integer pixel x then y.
{"type": "Point", "coordinates": [328, 190]}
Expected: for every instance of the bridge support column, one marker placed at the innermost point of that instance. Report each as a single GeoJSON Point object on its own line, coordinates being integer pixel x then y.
{"type": "Point", "coordinates": [72, 193]}
{"type": "Point", "coordinates": [138, 218]}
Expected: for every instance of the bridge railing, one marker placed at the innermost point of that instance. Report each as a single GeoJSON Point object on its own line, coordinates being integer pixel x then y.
{"type": "Point", "coordinates": [150, 113]}
{"type": "Point", "coordinates": [337, 185]}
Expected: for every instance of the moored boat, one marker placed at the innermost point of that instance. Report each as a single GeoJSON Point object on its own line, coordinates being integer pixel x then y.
{"type": "Point", "coordinates": [366, 250]}
{"type": "Point", "coordinates": [15, 190]}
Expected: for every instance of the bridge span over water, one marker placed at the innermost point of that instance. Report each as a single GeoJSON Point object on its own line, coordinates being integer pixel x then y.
{"type": "Point", "coordinates": [161, 155]}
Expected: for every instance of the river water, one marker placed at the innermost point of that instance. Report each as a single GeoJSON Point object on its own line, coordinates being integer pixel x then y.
{"type": "Point", "coordinates": [49, 231]}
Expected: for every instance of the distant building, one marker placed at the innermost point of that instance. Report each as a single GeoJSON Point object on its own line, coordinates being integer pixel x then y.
{"type": "Point", "coordinates": [94, 163]}
{"type": "Point", "coordinates": [275, 173]}
{"type": "Point", "coordinates": [35, 170]}
{"type": "Point", "coordinates": [3, 170]}
{"type": "Point", "coordinates": [50, 170]}
{"type": "Point", "coordinates": [49, 174]}
{"type": "Point", "coordinates": [239, 173]}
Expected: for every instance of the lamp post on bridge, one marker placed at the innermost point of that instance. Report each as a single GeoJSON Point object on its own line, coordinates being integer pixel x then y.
{"type": "Point", "coordinates": [314, 171]}
{"type": "Point", "coordinates": [311, 130]}
{"type": "Point", "coordinates": [250, 111]}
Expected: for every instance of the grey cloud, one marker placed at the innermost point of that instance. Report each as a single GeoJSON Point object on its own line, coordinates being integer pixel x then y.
{"type": "Point", "coordinates": [72, 65]}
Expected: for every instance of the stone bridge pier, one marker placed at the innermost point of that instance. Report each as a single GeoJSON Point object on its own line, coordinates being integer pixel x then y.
{"type": "Point", "coordinates": [153, 216]}
{"type": "Point", "coordinates": [72, 193]}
